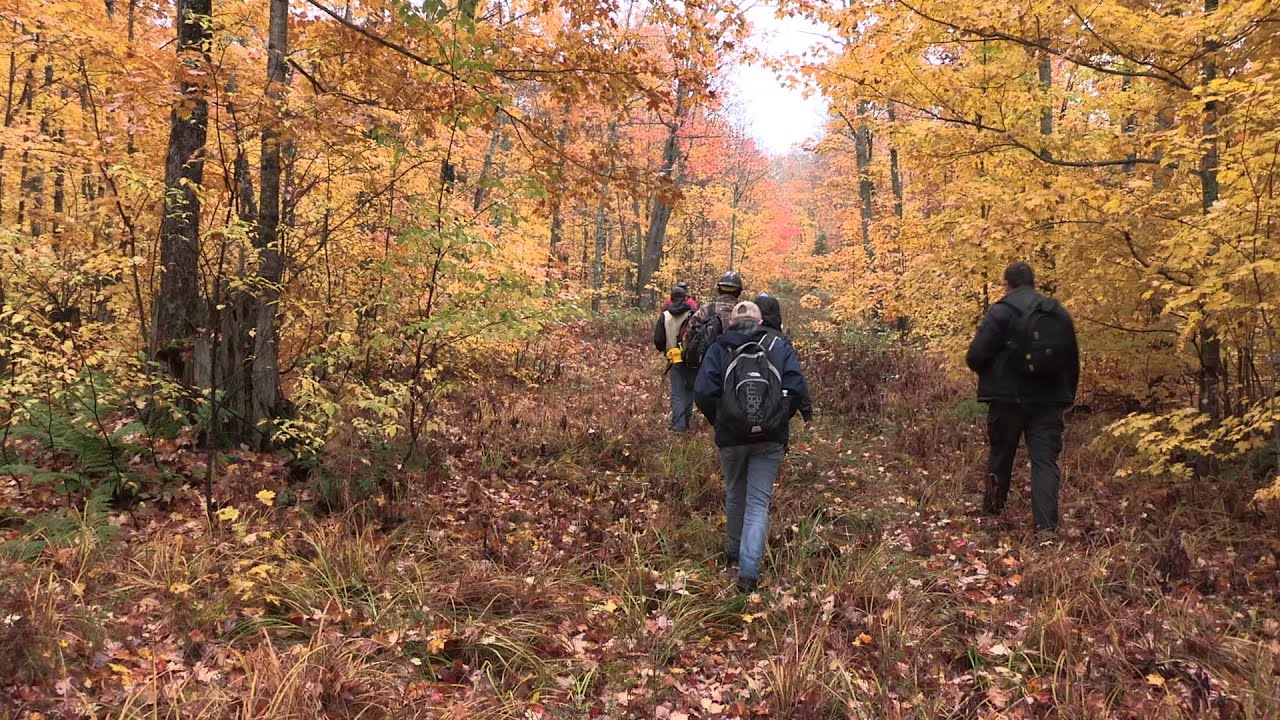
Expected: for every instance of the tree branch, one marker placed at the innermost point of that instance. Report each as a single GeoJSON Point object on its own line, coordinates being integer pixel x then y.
{"type": "Point", "coordinates": [1162, 75]}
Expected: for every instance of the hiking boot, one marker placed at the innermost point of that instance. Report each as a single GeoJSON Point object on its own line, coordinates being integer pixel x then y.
{"type": "Point", "coordinates": [748, 584]}
{"type": "Point", "coordinates": [728, 560]}
{"type": "Point", "coordinates": [992, 503]}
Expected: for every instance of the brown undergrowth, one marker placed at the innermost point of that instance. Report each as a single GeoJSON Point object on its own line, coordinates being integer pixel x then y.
{"type": "Point", "coordinates": [558, 557]}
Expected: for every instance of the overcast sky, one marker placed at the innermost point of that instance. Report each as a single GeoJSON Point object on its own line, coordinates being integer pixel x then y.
{"type": "Point", "coordinates": [778, 117]}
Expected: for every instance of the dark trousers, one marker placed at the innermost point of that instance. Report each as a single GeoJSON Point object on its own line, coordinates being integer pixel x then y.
{"type": "Point", "coordinates": [1042, 425]}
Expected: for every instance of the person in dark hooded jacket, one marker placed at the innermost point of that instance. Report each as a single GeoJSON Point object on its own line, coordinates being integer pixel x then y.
{"type": "Point", "coordinates": [771, 318]}
{"type": "Point", "coordinates": [668, 337]}
{"type": "Point", "coordinates": [1021, 405]}
{"type": "Point", "coordinates": [770, 311]}
{"type": "Point", "coordinates": [750, 465]}
{"type": "Point", "coordinates": [688, 299]}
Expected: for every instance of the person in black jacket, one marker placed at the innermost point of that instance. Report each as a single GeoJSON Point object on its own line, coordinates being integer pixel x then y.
{"type": "Point", "coordinates": [749, 464]}
{"type": "Point", "coordinates": [770, 311]}
{"type": "Point", "coordinates": [1019, 403]}
{"type": "Point", "coordinates": [668, 338]}
{"type": "Point", "coordinates": [771, 318]}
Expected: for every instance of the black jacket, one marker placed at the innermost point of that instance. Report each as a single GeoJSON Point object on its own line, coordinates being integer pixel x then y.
{"type": "Point", "coordinates": [770, 312]}
{"type": "Point", "coordinates": [989, 357]}
{"type": "Point", "coordinates": [709, 385]}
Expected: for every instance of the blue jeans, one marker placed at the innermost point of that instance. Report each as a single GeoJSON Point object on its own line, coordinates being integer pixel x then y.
{"type": "Point", "coordinates": [681, 398]}
{"type": "Point", "coordinates": [749, 472]}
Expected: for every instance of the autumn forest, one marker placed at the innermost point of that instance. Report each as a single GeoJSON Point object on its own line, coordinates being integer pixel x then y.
{"type": "Point", "coordinates": [326, 387]}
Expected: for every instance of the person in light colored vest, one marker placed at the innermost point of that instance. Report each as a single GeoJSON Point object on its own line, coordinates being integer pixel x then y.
{"type": "Point", "coordinates": [668, 337]}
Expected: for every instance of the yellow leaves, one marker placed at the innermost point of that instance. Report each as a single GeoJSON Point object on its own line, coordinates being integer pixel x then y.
{"type": "Point", "coordinates": [437, 641]}
{"type": "Point", "coordinates": [266, 497]}
{"type": "Point", "coordinates": [1270, 493]}
{"type": "Point", "coordinates": [1155, 679]}
{"type": "Point", "coordinates": [862, 639]}
{"type": "Point", "coordinates": [228, 514]}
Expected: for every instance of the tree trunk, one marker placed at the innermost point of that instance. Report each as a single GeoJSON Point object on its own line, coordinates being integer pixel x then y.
{"type": "Point", "coordinates": [733, 228]}
{"type": "Point", "coordinates": [660, 212]}
{"type": "Point", "coordinates": [266, 397]}
{"type": "Point", "coordinates": [895, 174]}
{"type": "Point", "coordinates": [178, 314]}
{"type": "Point", "coordinates": [1046, 109]}
{"type": "Point", "coordinates": [1210, 402]}
{"type": "Point", "coordinates": [234, 306]}
{"type": "Point", "coordinates": [557, 208]}
{"type": "Point", "coordinates": [1129, 128]}
{"type": "Point", "coordinates": [602, 228]}
{"type": "Point", "coordinates": [486, 168]}
{"type": "Point", "coordinates": [895, 186]}
{"type": "Point", "coordinates": [866, 189]}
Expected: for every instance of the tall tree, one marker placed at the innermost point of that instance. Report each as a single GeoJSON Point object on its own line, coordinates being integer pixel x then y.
{"type": "Point", "coordinates": [178, 315]}
{"type": "Point", "coordinates": [660, 209]}
{"type": "Point", "coordinates": [265, 399]}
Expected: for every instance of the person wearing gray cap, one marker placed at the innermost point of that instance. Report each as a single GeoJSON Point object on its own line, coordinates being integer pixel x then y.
{"type": "Point", "coordinates": [749, 386]}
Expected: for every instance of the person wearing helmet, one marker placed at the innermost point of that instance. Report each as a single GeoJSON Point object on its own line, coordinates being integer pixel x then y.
{"type": "Point", "coordinates": [712, 319]}
{"type": "Point", "coordinates": [728, 290]}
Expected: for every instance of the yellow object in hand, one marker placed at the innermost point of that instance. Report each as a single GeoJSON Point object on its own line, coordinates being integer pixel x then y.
{"type": "Point", "coordinates": [674, 356]}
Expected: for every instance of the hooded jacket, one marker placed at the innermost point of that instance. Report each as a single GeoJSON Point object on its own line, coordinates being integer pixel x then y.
{"type": "Point", "coordinates": [709, 385]}
{"type": "Point", "coordinates": [771, 318]}
{"type": "Point", "coordinates": [770, 312]}
{"type": "Point", "coordinates": [988, 356]}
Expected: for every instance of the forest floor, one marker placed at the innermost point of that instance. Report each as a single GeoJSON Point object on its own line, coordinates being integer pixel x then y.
{"type": "Point", "coordinates": [560, 560]}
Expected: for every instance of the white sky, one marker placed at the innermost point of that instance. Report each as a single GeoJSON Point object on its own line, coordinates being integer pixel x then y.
{"type": "Point", "coordinates": [776, 116]}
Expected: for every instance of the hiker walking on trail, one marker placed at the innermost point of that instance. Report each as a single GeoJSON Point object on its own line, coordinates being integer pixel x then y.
{"type": "Point", "coordinates": [712, 319]}
{"type": "Point", "coordinates": [771, 318]}
{"type": "Point", "coordinates": [1028, 365]}
{"type": "Point", "coordinates": [669, 338]}
{"type": "Point", "coordinates": [749, 386]}
{"type": "Point", "coordinates": [688, 299]}
{"type": "Point", "coordinates": [770, 311]}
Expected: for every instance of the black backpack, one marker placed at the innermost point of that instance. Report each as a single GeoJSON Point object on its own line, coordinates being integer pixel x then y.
{"type": "Point", "coordinates": [1042, 340]}
{"type": "Point", "coordinates": [753, 405]}
{"type": "Point", "coordinates": [701, 335]}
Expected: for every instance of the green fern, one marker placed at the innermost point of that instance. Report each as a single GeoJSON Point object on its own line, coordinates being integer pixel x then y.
{"type": "Point", "coordinates": [72, 424]}
{"type": "Point", "coordinates": [61, 527]}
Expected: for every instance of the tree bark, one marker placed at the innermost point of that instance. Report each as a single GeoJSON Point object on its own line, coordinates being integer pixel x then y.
{"type": "Point", "coordinates": [1210, 401]}
{"type": "Point", "coordinates": [660, 212]}
{"type": "Point", "coordinates": [266, 397]}
{"type": "Point", "coordinates": [557, 208]}
{"type": "Point", "coordinates": [866, 188]}
{"type": "Point", "coordinates": [178, 314]}
{"type": "Point", "coordinates": [486, 168]}
{"type": "Point", "coordinates": [895, 174]}
{"type": "Point", "coordinates": [1046, 110]}
{"type": "Point", "coordinates": [602, 227]}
